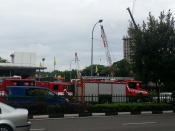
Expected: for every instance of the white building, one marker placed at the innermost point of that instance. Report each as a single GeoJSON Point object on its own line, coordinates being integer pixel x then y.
{"type": "Point", "coordinates": [23, 58]}
{"type": "Point", "coordinates": [21, 64]}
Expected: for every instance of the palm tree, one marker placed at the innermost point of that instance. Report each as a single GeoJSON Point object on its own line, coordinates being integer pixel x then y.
{"type": "Point", "coordinates": [2, 60]}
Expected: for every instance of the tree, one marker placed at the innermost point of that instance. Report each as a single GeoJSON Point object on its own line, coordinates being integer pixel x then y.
{"type": "Point", "coordinates": [154, 49]}
{"type": "Point", "coordinates": [122, 68]}
{"type": "Point", "coordinates": [98, 70]}
{"type": "Point", "coordinates": [2, 60]}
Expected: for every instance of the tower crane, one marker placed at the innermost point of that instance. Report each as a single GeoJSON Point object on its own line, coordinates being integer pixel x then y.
{"type": "Point", "coordinates": [105, 43]}
{"type": "Point", "coordinates": [132, 18]}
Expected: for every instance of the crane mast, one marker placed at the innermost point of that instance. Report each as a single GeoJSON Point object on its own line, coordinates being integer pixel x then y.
{"type": "Point", "coordinates": [132, 18]}
{"type": "Point", "coordinates": [105, 43]}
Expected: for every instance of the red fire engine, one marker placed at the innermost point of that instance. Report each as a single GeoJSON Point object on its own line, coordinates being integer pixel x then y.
{"type": "Point", "coordinates": [113, 87]}
{"type": "Point", "coordinates": [14, 81]}
{"type": "Point", "coordinates": [58, 87]}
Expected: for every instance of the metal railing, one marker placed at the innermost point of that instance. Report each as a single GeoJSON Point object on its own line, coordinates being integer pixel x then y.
{"type": "Point", "coordinates": [96, 99]}
{"type": "Point", "coordinates": [122, 99]}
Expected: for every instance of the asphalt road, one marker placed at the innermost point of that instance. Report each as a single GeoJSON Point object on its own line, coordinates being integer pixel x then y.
{"type": "Point", "coordinates": [146, 122]}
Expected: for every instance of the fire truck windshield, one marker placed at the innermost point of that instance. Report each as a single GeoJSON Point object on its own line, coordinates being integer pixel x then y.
{"type": "Point", "coordinates": [132, 85]}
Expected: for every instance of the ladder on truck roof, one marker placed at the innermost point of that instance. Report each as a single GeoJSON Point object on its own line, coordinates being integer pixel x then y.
{"type": "Point", "coordinates": [107, 78]}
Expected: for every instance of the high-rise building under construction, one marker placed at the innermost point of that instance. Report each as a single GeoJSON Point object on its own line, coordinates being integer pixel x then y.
{"type": "Point", "coordinates": [127, 50]}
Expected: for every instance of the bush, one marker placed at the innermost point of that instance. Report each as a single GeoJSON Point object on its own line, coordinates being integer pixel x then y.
{"type": "Point", "coordinates": [41, 108]}
{"type": "Point", "coordinates": [123, 107]}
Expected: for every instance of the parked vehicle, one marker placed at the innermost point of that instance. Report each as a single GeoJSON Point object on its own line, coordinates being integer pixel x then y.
{"type": "Point", "coordinates": [32, 95]}
{"type": "Point", "coordinates": [167, 96]}
{"type": "Point", "coordinates": [39, 99]}
{"type": "Point", "coordinates": [12, 119]}
{"type": "Point", "coordinates": [164, 97]}
{"type": "Point", "coordinates": [109, 87]}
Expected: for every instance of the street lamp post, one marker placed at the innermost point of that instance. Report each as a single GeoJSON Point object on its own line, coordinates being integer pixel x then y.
{"type": "Point", "coordinates": [93, 45]}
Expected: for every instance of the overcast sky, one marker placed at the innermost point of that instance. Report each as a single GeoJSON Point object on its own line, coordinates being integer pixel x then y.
{"type": "Point", "coordinates": [62, 27]}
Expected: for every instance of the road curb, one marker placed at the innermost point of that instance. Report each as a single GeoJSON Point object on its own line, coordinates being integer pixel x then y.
{"type": "Point", "coordinates": [87, 114]}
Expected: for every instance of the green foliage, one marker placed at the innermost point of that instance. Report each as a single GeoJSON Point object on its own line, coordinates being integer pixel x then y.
{"type": "Point", "coordinates": [122, 107]}
{"type": "Point", "coordinates": [154, 48]}
{"type": "Point", "coordinates": [98, 70]}
{"type": "Point", "coordinates": [122, 68]}
{"type": "Point", "coordinates": [2, 60]}
{"type": "Point", "coordinates": [43, 108]}
{"type": "Point", "coordinates": [53, 76]}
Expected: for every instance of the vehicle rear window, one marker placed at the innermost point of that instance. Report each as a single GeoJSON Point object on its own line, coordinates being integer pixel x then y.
{"type": "Point", "coordinates": [16, 92]}
{"type": "Point", "coordinates": [36, 92]}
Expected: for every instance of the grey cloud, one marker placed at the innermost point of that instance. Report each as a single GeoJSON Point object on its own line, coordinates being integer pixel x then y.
{"type": "Point", "coordinates": [62, 27]}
